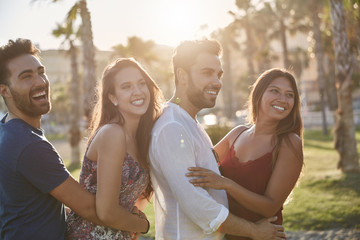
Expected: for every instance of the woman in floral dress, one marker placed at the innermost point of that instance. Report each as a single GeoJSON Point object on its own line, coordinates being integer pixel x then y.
{"type": "Point", "coordinates": [115, 166]}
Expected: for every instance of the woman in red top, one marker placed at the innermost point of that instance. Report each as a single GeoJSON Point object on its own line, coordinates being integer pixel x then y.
{"type": "Point", "coordinates": [261, 162]}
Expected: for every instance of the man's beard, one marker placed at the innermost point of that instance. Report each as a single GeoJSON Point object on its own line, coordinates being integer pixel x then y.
{"type": "Point", "coordinates": [196, 96]}
{"type": "Point", "coordinates": [27, 107]}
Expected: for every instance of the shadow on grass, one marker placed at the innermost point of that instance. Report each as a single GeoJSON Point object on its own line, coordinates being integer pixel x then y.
{"type": "Point", "coordinates": [306, 222]}
{"type": "Point", "coordinates": [318, 136]}
{"type": "Point", "coordinates": [317, 146]}
{"type": "Point", "coordinates": [349, 181]}
{"type": "Point", "coordinates": [326, 203]}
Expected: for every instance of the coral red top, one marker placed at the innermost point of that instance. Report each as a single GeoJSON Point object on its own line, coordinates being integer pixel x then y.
{"type": "Point", "coordinates": [254, 176]}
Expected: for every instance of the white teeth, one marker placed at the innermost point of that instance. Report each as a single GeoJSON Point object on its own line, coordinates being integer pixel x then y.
{"type": "Point", "coordinates": [43, 93]}
{"type": "Point", "coordinates": [279, 108]}
{"type": "Point", "coordinates": [138, 102]}
{"type": "Point", "coordinates": [211, 92]}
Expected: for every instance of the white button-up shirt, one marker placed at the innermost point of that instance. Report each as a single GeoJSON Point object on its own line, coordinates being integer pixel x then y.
{"type": "Point", "coordinates": [183, 211]}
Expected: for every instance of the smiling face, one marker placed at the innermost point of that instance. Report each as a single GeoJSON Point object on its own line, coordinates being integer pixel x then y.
{"type": "Point", "coordinates": [131, 94]}
{"type": "Point", "coordinates": [28, 92]}
{"type": "Point", "coordinates": [204, 81]}
{"type": "Point", "coordinates": [277, 100]}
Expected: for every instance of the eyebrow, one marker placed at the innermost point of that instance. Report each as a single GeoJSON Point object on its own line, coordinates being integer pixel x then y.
{"type": "Point", "coordinates": [31, 71]}
{"type": "Point", "coordinates": [207, 69]}
{"type": "Point", "coordinates": [274, 86]}
{"type": "Point", "coordinates": [25, 71]}
{"type": "Point", "coordinates": [130, 82]}
{"type": "Point", "coordinates": [211, 69]}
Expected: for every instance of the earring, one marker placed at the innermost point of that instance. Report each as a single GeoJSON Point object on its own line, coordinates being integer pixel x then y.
{"type": "Point", "coordinates": [115, 104]}
{"type": "Point", "coordinates": [177, 100]}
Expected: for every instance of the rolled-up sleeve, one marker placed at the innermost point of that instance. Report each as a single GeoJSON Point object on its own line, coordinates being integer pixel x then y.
{"type": "Point", "coordinates": [174, 152]}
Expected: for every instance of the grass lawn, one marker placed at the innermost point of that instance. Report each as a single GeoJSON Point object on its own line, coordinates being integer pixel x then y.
{"type": "Point", "coordinates": [324, 198]}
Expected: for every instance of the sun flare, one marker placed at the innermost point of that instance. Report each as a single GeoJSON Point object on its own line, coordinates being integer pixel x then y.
{"type": "Point", "coordinates": [180, 19]}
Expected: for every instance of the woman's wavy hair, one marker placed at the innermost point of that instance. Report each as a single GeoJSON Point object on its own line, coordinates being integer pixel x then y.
{"type": "Point", "coordinates": [292, 123]}
{"type": "Point", "coordinates": [105, 111]}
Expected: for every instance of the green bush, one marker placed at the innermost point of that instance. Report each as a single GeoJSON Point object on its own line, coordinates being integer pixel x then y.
{"type": "Point", "coordinates": [216, 132]}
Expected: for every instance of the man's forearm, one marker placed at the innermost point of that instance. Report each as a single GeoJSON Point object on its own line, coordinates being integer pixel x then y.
{"type": "Point", "coordinates": [261, 230]}
{"type": "Point", "coordinates": [237, 226]}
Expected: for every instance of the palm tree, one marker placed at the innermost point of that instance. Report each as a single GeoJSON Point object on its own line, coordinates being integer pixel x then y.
{"type": "Point", "coordinates": [329, 56]}
{"type": "Point", "coordinates": [319, 53]}
{"type": "Point", "coordinates": [345, 142]}
{"type": "Point", "coordinates": [243, 19]}
{"type": "Point", "coordinates": [314, 20]}
{"type": "Point", "coordinates": [280, 10]}
{"type": "Point", "coordinates": [88, 53]}
{"type": "Point", "coordinates": [141, 50]}
{"type": "Point", "coordinates": [281, 13]}
{"type": "Point", "coordinates": [226, 37]}
{"type": "Point", "coordinates": [69, 35]}
{"type": "Point", "coordinates": [352, 9]}
{"type": "Point", "coordinates": [88, 58]}
{"type": "Point", "coordinates": [261, 23]}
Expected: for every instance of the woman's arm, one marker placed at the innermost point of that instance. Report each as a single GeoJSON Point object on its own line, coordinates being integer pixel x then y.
{"type": "Point", "coordinates": [110, 147]}
{"type": "Point", "coordinates": [282, 181]}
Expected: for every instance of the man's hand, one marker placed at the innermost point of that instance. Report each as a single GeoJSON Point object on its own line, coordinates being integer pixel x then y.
{"type": "Point", "coordinates": [268, 231]}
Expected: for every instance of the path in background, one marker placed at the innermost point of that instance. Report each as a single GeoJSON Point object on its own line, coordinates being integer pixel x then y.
{"type": "Point", "coordinates": [63, 148]}
{"type": "Point", "coordinates": [336, 234]}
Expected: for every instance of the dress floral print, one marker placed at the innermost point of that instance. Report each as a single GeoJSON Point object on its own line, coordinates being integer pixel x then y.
{"type": "Point", "coordinates": [134, 181]}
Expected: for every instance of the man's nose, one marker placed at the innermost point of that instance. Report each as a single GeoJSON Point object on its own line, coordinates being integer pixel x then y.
{"type": "Point", "coordinates": [217, 82]}
{"type": "Point", "coordinates": [41, 79]}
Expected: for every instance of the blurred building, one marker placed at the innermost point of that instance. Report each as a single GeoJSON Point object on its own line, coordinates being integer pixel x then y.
{"type": "Point", "coordinates": [58, 68]}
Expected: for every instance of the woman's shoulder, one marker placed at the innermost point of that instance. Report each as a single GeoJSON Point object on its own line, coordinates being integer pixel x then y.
{"type": "Point", "coordinates": [111, 131]}
{"type": "Point", "coordinates": [294, 139]}
{"type": "Point", "coordinates": [234, 133]}
{"type": "Point", "coordinates": [238, 130]}
{"type": "Point", "coordinates": [293, 145]}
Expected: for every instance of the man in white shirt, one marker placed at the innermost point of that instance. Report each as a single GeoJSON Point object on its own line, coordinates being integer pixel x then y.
{"type": "Point", "coordinates": [183, 211]}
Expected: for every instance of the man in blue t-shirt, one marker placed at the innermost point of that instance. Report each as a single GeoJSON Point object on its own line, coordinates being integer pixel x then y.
{"type": "Point", "coordinates": [34, 183]}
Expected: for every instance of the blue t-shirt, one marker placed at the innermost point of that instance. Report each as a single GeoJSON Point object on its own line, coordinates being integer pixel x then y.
{"type": "Point", "coordinates": [30, 168]}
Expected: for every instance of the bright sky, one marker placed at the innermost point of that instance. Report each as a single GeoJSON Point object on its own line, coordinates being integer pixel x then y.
{"type": "Point", "coordinates": [164, 21]}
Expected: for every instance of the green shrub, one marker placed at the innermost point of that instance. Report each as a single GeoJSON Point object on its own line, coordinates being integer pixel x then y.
{"type": "Point", "coordinates": [216, 132]}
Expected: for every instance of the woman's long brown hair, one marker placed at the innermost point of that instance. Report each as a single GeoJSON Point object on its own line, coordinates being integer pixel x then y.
{"type": "Point", "coordinates": [291, 124]}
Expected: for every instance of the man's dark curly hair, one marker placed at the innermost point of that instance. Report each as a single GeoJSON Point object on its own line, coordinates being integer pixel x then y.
{"type": "Point", "coordinates": [12, 50]}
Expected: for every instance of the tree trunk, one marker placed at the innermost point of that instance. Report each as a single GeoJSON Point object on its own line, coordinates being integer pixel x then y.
{"type": "Point", "coordinates": [88, 58]}
{"type": "Point", "coordinates": [331, 92]}
{"type": "Point", "coordinates": [249, 52]}
{"type": "Point", "coordinates": [358, 31]}
{"type": "Point", "coordinates": [227, 79]}
{"type": "Point", "coordinates": [345, 142]}
{"type": "Point", "coordinates": [284, 43]}
{"type": "Point", "coordinates": [320, 67]}
{"type": "Point", "coordinates": [75, 116]}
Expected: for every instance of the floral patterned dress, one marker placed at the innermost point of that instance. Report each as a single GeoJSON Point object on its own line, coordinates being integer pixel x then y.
{"type": "Point", "coordinates": [135, 179]}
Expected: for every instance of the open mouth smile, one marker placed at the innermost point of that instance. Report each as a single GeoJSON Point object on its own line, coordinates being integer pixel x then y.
{"type": "Point", "coordinates": [138, 102]}
{"type": "Point", "coordinates": [278, 108]}
{"type": "Point", "coordinates": [40, 95]}
{"type": "Point", "coordinates": [212, 91]}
